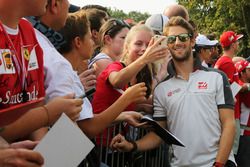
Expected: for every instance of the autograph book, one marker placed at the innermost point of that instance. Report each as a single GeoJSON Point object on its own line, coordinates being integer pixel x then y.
{"type": "Point", "coordinates": [166, 136]}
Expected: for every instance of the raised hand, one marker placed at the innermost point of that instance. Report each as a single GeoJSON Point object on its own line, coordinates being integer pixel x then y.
{"type": "Point", "coordinates": [67, 104]}
{"type": "Point", "coordinates": [88, 78]}
{"type": "Point", "coordinates": [155, 51]}
{"type": "Point", "coordinates": [136, 93]}
{"type": "Point", "coordinates": [161, 68]}
{"type": "Point", "coordinates": [133, 118]}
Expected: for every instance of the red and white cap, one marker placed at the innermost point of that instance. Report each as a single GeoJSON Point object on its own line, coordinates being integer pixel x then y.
{"type": "Point", "coordinates": [229, 37]}
{"type": "Point", "coordinates": [241, 65]}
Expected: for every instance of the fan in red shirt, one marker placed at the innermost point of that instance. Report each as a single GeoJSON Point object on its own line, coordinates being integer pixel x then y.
{"type": "Point", "coordinates": [21, 76]}
{"type": "Point", "coordinates": [243, 68]}
{"type": "Point", "coordinates": [230, 44]}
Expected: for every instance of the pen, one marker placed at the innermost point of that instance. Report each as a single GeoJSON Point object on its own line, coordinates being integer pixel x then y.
{"type": "Point", "coordinates": [87, 93]}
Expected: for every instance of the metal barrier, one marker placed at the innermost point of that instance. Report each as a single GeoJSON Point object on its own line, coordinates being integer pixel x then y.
{"type": "Point", "coordinates": [153, 158]}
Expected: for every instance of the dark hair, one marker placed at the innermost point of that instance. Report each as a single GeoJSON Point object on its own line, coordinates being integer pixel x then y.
{"type": "Point", "coordinates": [179, 21]}
{"type": "Point", "coordinates": [192, 23]}
{"type": "Point", "coordinates": [178, 10]}
{"type": "Point", "coordinates": [112, 27]}
{"type": "Point", "coordinates": [99, 7]}
{"type": "Point", "coordinates": [77, 25]}
{"type": "Point", "coordinates": [95, 17]}
{"type": "Point", "coordinates": [211, 36]}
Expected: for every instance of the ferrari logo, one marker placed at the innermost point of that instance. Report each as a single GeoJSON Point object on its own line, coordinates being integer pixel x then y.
{"type": "Point", "coordinates": [26, 54]}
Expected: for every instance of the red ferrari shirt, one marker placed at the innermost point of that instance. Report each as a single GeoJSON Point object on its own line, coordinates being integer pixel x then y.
{"type": "Point", "coordinates": [225, 64]}
{"type": "Point", "coordinates": [21, 65]}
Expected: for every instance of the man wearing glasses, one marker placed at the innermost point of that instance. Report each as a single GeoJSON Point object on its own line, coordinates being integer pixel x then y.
{"type": "Point", "coordinates": [203, 47]}
{"type": "Point", "coordinates": [194, 103]}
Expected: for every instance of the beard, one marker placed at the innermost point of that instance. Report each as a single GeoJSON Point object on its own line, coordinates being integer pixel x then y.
{"type": "Point", "coordinates": [182, 58]}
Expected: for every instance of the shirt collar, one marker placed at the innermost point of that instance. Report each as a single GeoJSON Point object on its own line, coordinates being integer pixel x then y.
{"type": "Point", "coordinates": [197, 65]}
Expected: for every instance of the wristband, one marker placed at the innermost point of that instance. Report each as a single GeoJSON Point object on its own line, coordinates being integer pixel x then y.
{"type": "Point", "coordinates": [218, 164]}
{"type": "Point", "coordinates": [134, 146]}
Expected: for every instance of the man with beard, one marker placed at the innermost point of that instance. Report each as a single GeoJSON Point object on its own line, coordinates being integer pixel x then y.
{"type": "Point", "coordinates": [193, 100]}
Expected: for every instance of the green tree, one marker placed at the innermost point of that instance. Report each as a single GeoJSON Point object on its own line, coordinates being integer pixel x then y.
{"type": "Point", "coordinates": [221, 15]}
{"type": "Point", "coordinates": [120, 14]}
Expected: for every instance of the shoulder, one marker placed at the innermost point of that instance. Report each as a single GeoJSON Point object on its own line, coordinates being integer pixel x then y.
{"type": "Point", "coordinates": [223, 60]}
{"type": "Point", "coordinates": [25, 24]}
{"type": "Point", "coordinates": [43, 40]}
{"type": "Point", "coordinates": [213, 73]}
{"type": "Point", "coordinates": [99, 57]}
{"type": "Point", "coordinates": [27, 31]}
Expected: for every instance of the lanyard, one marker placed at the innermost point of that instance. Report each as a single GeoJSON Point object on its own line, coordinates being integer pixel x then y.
{"type": "Point", "coordinates": [20, 64]}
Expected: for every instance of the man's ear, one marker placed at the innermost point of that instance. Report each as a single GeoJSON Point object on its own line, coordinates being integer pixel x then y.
{"type": "Point", "coordinates": [95, 34]}
{"type": "Point", "coordinates": [192, 40]}
{"type": "Point", "coordinates": [77, 42]}
{"type": "Point", "coordinates": [53, 6]}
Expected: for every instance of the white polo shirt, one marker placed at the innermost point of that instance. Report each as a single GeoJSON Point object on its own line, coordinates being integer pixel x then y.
{"type": "Point", "coordinates": [191, 110]}
{"type": "Point", "coordinates": [60, 78]}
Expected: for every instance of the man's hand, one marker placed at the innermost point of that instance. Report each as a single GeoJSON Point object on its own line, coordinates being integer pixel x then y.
{"type": "Point", "coordinates": [119, 143]}
{"type": "Point", "coordinates": [10, 157]}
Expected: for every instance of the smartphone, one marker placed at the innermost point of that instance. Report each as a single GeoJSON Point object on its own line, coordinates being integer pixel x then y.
{"type": "Point", "coordinates": [87, 93]}
{"type": "Point", "coordinates": [164, 41]}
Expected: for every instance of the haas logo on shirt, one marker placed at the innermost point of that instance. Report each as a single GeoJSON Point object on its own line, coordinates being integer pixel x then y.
{"type": "Point", "coordinates": [202, 85]}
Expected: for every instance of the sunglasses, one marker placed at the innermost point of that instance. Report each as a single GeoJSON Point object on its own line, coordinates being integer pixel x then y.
{"type": "Point", "coordinates": [182, 37]}
{"type": "Point", "coordinates": [117, 23]}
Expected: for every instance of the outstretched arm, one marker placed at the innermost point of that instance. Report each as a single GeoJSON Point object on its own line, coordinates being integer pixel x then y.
{"type": "Point", "coordinates": [92, 127]}
{"type": "Point", "coordinates": [42, 117]}
{"type": "Point", "coordinates": [148, 142]}
{"type": "Point", "coordinates": [152, 53]}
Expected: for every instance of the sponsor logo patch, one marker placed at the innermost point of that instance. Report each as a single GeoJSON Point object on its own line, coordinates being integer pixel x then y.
{"type": "Point", "coordinates": [6, 63]}
{"type": "Point", "coordinates": [172, 92]}
{"type": "Point", "coordinates": [202, 85]}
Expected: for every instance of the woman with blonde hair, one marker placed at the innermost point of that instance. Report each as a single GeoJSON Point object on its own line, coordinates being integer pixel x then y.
{"type": "Point", "coordinates": [140, 49]}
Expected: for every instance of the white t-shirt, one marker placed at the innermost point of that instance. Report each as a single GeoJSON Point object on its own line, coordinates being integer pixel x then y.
{"type": "Point", "coordinates": [60, 78]}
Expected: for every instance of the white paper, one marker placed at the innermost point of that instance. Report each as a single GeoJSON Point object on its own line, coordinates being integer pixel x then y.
{"type": "Point", "coordinates": [65, 145]}
{"type": "Point", "coordinates": [235, 88]}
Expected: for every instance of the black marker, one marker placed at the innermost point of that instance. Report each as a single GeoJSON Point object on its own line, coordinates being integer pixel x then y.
{"type": "Point", "coordinates": [87, 93]}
